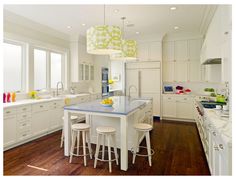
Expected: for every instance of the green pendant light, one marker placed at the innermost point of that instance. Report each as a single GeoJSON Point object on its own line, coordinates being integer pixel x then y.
{"type": "Point", "coordinates": [128, 47]}
{"type": "Point", "coordinates": [104, 39]}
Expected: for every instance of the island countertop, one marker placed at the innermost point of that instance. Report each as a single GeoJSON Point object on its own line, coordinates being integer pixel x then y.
{"type": "Point", "coordinates": [121, 105]}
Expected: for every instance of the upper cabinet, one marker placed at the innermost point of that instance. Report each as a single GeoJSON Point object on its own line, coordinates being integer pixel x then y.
{"type": "Point", "coordinates": [150, 51]}
{"type": "Point", "coordinates": [181, 60]}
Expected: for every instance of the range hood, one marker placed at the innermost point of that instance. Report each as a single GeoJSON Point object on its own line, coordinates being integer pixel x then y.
{"type": "Point", "coordinates": [212, 61]}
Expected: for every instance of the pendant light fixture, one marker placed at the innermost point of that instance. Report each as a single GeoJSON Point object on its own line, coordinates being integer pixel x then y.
{"type": "Point", "coordinates": [104, 39]}
{"type": "Point", "coordinates": [128, 47]}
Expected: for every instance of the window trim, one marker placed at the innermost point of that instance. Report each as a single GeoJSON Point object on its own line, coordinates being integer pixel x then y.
{"type": "Point", "coordinates": [23, 63]}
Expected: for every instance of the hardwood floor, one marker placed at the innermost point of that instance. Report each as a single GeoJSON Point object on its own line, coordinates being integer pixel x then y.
{"type": "Point", "coordinates": [178, 151]}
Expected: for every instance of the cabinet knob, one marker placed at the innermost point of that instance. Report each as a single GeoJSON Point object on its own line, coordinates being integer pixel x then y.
{"type": "Point", "coordinates": [221, 146]}
{"type": "Point", "coordinates": [225, 33]}
{"type": "Point", "coordinates": [214, 133]}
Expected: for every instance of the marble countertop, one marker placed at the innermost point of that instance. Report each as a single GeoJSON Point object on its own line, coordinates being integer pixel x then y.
{"type": "Point", "coordinates": [121, 105]}
{"type": "Point", "coordinates": [42, 100]}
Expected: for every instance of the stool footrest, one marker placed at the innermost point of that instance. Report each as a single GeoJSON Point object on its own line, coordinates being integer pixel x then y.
{"type": "Point", "coordinates": [144, 155]}
{"type": "Point", "coordinates": [106, 160]}
{"type": "Point", "coordinates": [81, 154]}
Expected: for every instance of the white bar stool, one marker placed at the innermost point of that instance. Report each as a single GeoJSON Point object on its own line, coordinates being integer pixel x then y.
{"type": "Point", "coordinates": [84, 129]}
{"type": "Point", "coordinates": [73, 119]}
{"type": "Point", "coordinates": [110, 134]}
{"type": "Point", "coordinates": [144, 128]}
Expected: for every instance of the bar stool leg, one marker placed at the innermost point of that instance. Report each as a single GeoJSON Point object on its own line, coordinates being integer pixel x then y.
{"type": "Point", "coordinates": [103, 146]}
{"type": "Point", "coordinates": [109, 151]}
{"type": "Point", "coordinates": [97, 150]}
{"type": "Point", "coordinates": [78, 142]}
{"type": "Point", "coordinates": [114, 147]}
{"type": "Point", "coordinates": [148, 148]}
{"type": "Point", "coordinates": [135, 147]}
{"type": "Point", "coordinates": [89, 144]}
{"type": "Point", "coordinates": [72, 145]}
{"type": "Point", "coordinates": [84, 148]}
{"type": "Point", "coordinates": [62, 137]}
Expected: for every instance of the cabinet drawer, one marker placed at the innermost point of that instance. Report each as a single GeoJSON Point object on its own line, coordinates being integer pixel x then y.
{"type": "Point", "coordinates": [9, 111]}
{"type": "Point", "coordinates": [24, 109]}
{"type": "Point", "coordinates": [22, 116]}
{"type": "Point", "coordinates": [39, 107]}
{"type": "Point", "coordinates": [24, 125]}
{"type": "Point", "coordinates": [24, 134]}
{"type": "Point", "coordinates": [168, 98]}
{"type": "Point", "coordinates": [56, 104]}
{"type": "Point", "coordinates": [184, 99]}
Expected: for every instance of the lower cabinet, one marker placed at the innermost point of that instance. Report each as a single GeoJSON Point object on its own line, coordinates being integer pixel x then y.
{"type": "Point", "coordinates": [10, 133]}
{"type": "Point", "coordinates": [177, 107]}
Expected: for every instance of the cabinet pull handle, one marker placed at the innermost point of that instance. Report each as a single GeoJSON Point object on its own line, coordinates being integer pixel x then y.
{"type": "Point", "coordinates": [216, 148]}
{"type": "Point", "coordinates": [24, 116]}
{"type": "Point", "coordinates": [24, 109]}
{"type": "Point", "coordinates": [214, 133]}
{"type": "Point", "coordinates": [185, 98]}
{"type": "Point", "coordinates": [221, 146]}
{"type": "Point", "coordinates": [41, 106]}
{"type": "Point", "coordinates": [8, 112]}
{"type": "Point", "coordinates": [24, 134]}
{"type": "Point", "coordinates": [24, 124]}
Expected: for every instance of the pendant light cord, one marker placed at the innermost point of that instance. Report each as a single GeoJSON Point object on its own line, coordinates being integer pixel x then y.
{"type": "Point", "coordinates": [104, 13]}
{"type": "Point", "coordinates": [123, 29]}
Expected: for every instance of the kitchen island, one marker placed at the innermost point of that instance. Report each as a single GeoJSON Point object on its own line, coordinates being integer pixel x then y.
{"type": "Point", "coordinates": [122, 115]}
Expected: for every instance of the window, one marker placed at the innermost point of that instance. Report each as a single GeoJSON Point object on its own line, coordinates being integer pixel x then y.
{"type": "Point", "coordinates": [40, 69]}
{"type": "Point", "coordinates": [56, 69]}
{"type": "Point", "coordinates": [13, 65]}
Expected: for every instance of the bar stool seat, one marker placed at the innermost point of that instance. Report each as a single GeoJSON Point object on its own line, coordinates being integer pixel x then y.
{"type": "Point", "coordinates": [144, 128]}
{"type": "Point", "coordinates": [76, 130]}
{"type": "Point", "coordinates": [108, 133]}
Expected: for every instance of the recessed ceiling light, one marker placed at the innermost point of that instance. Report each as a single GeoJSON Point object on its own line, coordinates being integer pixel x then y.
{"type": "Point", "coordinates": [83, 24]}
{"type": "Point", "coordinates": [173, 8]}
{"type": "Point", "coordinates": [176, 27]}
{"type": "Point", "coordinates": [68, 27]}
{"type": "Point", "coordinates": [137, 32]}
{"type": "Point", "coordinates": [116, 10]}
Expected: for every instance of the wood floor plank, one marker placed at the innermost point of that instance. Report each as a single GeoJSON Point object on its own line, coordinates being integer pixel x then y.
{"type": "Point", "coordinates": [177, 146]}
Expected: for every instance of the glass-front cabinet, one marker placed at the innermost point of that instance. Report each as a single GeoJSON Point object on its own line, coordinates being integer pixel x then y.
{"type": "Point", "coordinates": [86, 72]}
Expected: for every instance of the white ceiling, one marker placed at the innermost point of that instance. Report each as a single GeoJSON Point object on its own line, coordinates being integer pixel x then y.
{"type": "Point", "coordinates": [147, 19]}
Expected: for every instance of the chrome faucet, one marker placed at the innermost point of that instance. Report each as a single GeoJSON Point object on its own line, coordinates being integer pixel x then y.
{"type": "Point", "coordinates": [62, 88]}
{"type": "Point", "coordinates": [132, 86]}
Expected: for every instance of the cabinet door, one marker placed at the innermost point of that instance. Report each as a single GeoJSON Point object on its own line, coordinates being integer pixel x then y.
{"type": "Point", "coordinates": [40, 122]}
{"type": "Point", "coordinates": [194, 48]}
{"type": "Point", "coordinates": [168, 107]}
{"type": "Point", "coordinates": [91, 76]}
{"type": "Point", "coordinates": [150, 80]}
{"type": "Point", "coordinates": [168, 51]}
{"type": "Point", "coordinates": [181, 51]}
{"type": "Point", "coordinates": [168, 71]}
{"type": "Point", "coordinates": [132, 80]}
{"type": "Point", "coordinates": [10, 130]}
{"type": "Point", "coordinates": [194, 71]}
{"type": "Point", "coordinates": [154, 52]}
{"type": "Point", "coordinates": [81, 72]}
{"type": "Point", "coordinates": [181, 71]}
{"type": "Point", "coordinates": [184, 108]}
{"type": "Point", "coordinates": [143, 51]}
{"type": "Point", "coordinates": [56, 115]}
{"type": "Point", "coordinates": [86, 73]}
{"type": "Point", "coordinates": [156, 106]}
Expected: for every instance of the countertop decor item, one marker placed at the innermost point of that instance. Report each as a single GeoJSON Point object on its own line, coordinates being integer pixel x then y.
{"type": "Point", "coordinates": [104, 39]}
{"type": "Point", "coordinates": [33, 94]}
{"type": "Point", "coordinates": [13, 97]}
{"type": "Point", "coordinates": [4, 97]}
{"type": "Point", "coordinates": [8, 97]}
{"type": "Point", "coordinates": [107, 102]}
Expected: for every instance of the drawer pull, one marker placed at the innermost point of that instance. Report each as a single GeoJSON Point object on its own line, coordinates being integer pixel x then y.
{"type": "Point", "coordinates": [24, 116]}
{"type": "Point", "coordinates": [8, 112]}
{"type": "Point", "coordinates": [24, 124]}
{"type": "Point", "coordinates": [24, 135]}
{"type": "Point", "coordinates": [41, 106]}
{"type": "Point", "coordinates": [24, 109]}
{"type": "Point", "coordinates": [185, 98]}
{"type": "Point", "coordinates": [221, 146]}
{"type": "Point", "coordinates": [214, 133]}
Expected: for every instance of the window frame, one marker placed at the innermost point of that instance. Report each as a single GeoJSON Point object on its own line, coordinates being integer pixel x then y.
{"type": "Point", "coordinates": [23, 63]}
{"type": "Point", "coordinates": [48, 67]}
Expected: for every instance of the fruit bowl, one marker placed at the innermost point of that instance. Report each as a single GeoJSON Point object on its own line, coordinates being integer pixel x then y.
{"type": "Point", "coordinates": [106, 105]}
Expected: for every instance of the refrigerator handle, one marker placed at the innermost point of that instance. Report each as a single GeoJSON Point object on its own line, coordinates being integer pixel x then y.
{"type": "Point", "coordinates": [139, 83]}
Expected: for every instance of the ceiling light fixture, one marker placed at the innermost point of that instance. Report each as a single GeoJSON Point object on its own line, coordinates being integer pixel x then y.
{"type": "Point", "coordinates": [173, 8]}
{"type": "Point", "coordinates": [129, 48]}
{"type": "Point", "coordinates": [116, 10]}
{"type": "Point", "coordinates": [137, 32]}
{"type": "Point", "coordinates": [176, 27]}
{"type": "Point", "coordinates": [104, 39]}
{"type": "Point", "coordinates": [68, 27]}
{"type": "Point", "coordinates": [83, 24]}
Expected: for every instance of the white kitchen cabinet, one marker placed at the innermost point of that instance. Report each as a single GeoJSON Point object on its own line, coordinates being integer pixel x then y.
{"type": "Point", "coordinates": [168, 69]}
{"type": "Point", "coordinates": [56, 113]}
{"type": "Point", "coordinates": [168, 51]}
{"type": "Point", "coordinates": [184, 108]}
{"type": "Point", "coordinates": [181, 50]}
{"type": "Point", "coordinates": [145, 77]}
{"type": "Point", "coordinates": [86, 72]}
{"type": "Point", "coordinates": [9, 127]}
{"type": "Point", "coordinates": [177, 107]}
{"type": "Point", "coordinates": [194, 71]}
{"type": "Point", "coordinates": [181, 71]}
{"type": "Point", "coordinates": [168, 107]}
{"type": "Point", "coordinates": [40, 118]}
{"type": "Point", "coordinates": [150, 51]}
{"type": "Point", "coordinates": [182, 61]}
